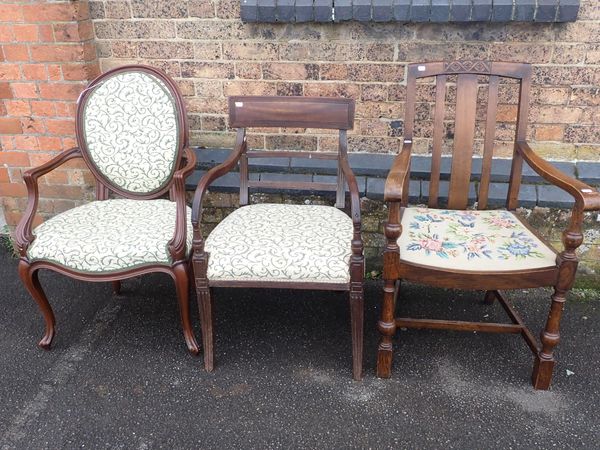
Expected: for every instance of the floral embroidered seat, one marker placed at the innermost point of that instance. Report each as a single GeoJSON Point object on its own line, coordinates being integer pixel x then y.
{"type": "Point", "coordinates": [104, 236]}
{"type": "Point", "coordinates": [301, 243]}
{"type": "Point", "coordinates": [132, 135]}
{"type": "Point", "coordinates": [471, 240]}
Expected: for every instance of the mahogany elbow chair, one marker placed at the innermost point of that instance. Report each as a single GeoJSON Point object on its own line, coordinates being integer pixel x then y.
{"type": "Point", "coordinates": [132, 134]}
{"type": "Point", "coordinates": [281, 245]}
{"type": "Point", "coordinates": [488, 250]}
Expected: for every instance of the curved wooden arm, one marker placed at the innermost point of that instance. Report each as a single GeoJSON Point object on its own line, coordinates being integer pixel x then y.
{"type": "Point", "coordinates": [398, 177]}
{"type": "Point", "coordinates": [212, 175]}
{"type": "Point", "coordinates": [586, 197]}
{"type": "Point", "coordinates": [177, 245]}
{"type": "Point", "coordinates": [353, 188]}
{"type": "Point", "coordinates": [23, 235]}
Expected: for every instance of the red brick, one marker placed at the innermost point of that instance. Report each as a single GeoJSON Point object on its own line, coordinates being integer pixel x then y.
{"type": "Point", "coordinates": [5, 91]}
{"type": "Point", "coordinates": [15, 52]}
{"type": "Point", "coordinates": [80, 72]}
{"type": "Point", "coordinates": [26, 142]}
{"type": "Point", "coordinates": [60, 127]}
{"type": "Point", "coordinates": [50, 12]}
{"type": "Point", "coordinates": [24, 90]}
{"type": "Point", "coordinates": [6, 33]}
{"type": "Point", "coordinates": [60, 91]}
{"type": "Point", "coordinates": [49, 143]}
{"type": "Point", "coordinates": [11, 13]}
{"type": "Point", "coordinates": [13, 189]}
{"type": "Point", "coordinates": [43, 108]}
{"type": "Point", "coordinates": [4, 175]}
{"type": "Point", "coordinates": [62, 53]}
{"type": "Point", "coordinates": [33, 125]}
{"type": "Point", "coordinates": [69, 142]}
{"type": "Point", "coordinates": [10, 126]}
{"type": "Point", "coordinates": [35, 72]}
{"type": "Point", "coordinates": [54, 72]}
{"type": "Point", "coordinates": [26, 33]}
{"type": "Point", "coordinates": [549, 132]}
{"type": "Point", "coordinates": [46, 33]}
{"type": "Point", "coordinates": [73, 32]}
{"type": "Point", "coordinates": [10, 72]}
{"type": "Point", "coordinates": [14, 159]}
{"type": "Point", "coordinates": [7, 142]}
{"type": "Point", "coordinates": [65, 109]}
{"type": "Point", "coordinates": [17, 107]}
{"type": "Point", "coordinates": [57, 177]}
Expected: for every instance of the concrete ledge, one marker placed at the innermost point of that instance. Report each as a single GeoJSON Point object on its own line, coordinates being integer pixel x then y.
{"type": "Point", "coordinates": [409, 10]}
{"type": "Point", "coordinates": [372, 169]}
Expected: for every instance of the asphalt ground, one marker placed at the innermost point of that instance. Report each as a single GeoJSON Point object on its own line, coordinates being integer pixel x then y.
{"type": "Point", "coordinates": [119, 376]}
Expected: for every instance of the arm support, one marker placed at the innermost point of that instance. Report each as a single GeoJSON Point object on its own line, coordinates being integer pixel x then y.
{"type": "Point", "coordinates": [177, 245]}
{"type": "Point", "coordinates": [586, 197]}
{"type": "Point", "coordinates": [397, 179]}
{"type": "Point", "coordinates": [24, 236]}
{"type": "Point", "coordinates": [353, 188]}
{"type": "Point", "coordinates": [212, 175]}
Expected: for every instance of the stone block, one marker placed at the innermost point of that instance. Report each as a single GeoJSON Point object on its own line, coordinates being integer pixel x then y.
{"type": "Point", "coordinates": [401, 10]}
{"type": "Point", "coordinates": [249, 10]}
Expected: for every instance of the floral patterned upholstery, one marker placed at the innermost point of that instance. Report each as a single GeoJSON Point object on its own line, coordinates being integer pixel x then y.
{"type": "Point", "coordinates": [272, 242]}
{"type": "Point", "coordinates": [110, 235]}
{"type": "Point", "coordinates": [470, 240]}
{"type": "Point", "coordinates": [131, 131]}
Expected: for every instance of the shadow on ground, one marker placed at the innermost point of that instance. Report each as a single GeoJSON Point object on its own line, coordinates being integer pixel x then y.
{"type": "Point", "coordinates": [119, 375]}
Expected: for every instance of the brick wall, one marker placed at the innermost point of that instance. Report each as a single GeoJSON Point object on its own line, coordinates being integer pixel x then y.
{"type": "Point", "coordinates": [47, 56]}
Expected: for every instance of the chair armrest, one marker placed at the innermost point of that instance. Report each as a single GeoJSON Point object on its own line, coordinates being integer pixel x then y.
{"type": "Point", "coordinates": [214, 173]}
{"type": "Point", "coordinates": [177, 245]}
{"type": "Point", "coordinates": [353, 188]}
{"type": "Point", "coordinates": [23, 235]}
{"type": "Point", "coordinates": [399, 173]}
{"type": "Point", "coordinates": [586, 197]}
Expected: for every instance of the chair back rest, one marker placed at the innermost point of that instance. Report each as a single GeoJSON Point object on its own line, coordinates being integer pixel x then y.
{"type": "Point", "coordinates": [462, 89]}
{"type": "Point", "coordinates": [293, 112]}
{"type": "Point", "coordinates": [132, 129]}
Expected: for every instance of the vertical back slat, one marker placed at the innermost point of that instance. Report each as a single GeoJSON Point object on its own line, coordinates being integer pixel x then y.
{"type": "Point", "coordinates": [244, 176]}
{"type": "Point", "coordinates": [466, 103]}
{"type": "Point", "coordinates": [438, 134]}
{"type": "Point", "coordinates": [512, 198]}
{"type": "Point", "coordinates": [409, 117]}
{"type": "Point", "coordinates": [340, 198]}
{"type": "Point", "coordinates": [488, 144]}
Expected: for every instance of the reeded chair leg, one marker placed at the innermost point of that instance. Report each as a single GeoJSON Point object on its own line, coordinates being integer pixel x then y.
{"type": "Point", "coordinates": [550, 336]}
{"type": "Point", "coordinates": [205, 306]}
{"type": "Point", "coordinates": [387, 328]}
{"type": "Point", "coordinates": [357, 325]}
{"type": "Point", "coordinates": [33, 286]}
{"type": "Point", "coordinates": [180, 273]}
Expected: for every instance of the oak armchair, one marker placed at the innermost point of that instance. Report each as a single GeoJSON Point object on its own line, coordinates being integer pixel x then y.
{"type": "Point", "coordinates": [451, 246]}
{"type": "Point", "coordinates": [282, 245]}
{"type": "Point", "coordinates": [132, 134]}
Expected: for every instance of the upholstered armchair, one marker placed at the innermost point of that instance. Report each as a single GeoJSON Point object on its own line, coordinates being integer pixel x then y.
{"type": "Point", "coordinates": [132, 135]}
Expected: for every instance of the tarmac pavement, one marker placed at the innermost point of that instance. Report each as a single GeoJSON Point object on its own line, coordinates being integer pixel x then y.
{"type": "Point", "coordinates": [119, 376]}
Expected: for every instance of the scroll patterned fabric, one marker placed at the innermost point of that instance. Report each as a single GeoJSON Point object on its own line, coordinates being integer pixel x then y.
{"type": "Point", "coordinates": [110, 235]}
{"type": "Point", "coordinates": [131, 131]}
{"type": "Point", "coordinates": [470, 240]}
{"type": "Point", "coordinates": [273, 242]}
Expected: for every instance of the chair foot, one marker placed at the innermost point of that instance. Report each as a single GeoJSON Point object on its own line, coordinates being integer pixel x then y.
{"type": "Point", "coordinates": [205, 306]}
{"type": "Point", "coordinates": [489, 298]}
{"type": "Point", "coordinates": [33, 286]}
{"type": "Point", "coordinates": [542, 373]}
{"type": "Point", "coordinates": [357, 325]}
{"type": "Point", "coordinates": [182, 286]}
{"type": "Point", "coordinates": [384, 360]}
{"type": "Point", "coordinates": [116, 287]}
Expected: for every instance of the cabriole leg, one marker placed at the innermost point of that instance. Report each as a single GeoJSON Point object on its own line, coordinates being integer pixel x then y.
{"type": "Point", "coordinates": [32, 284]}
{"type": "Point", "coordinates": [182, 286]}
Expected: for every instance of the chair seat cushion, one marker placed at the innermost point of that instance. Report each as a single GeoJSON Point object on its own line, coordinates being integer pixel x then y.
{"type": "Point", "coordinates": [281, 243]}
{"type": "Point", "coordinates": [492, 241]}
{"type": "Point", "coordinates": [109, 235]}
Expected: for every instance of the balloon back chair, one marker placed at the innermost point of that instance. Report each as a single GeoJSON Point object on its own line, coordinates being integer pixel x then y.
{"type": "Point", "coordinates": [132, 135]}
{"type": "Point", "coordinates": [282, 245]}
{"type": "Point", "coordinates": [451, 246]}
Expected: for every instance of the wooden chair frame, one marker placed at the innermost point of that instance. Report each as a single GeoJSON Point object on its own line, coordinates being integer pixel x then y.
{"type": "Point", "coordinates": [175, 188]}
{"type": "Point", "coordinates": [294, 112]}
{"type": "Point", "coordinates": [561, 277]}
